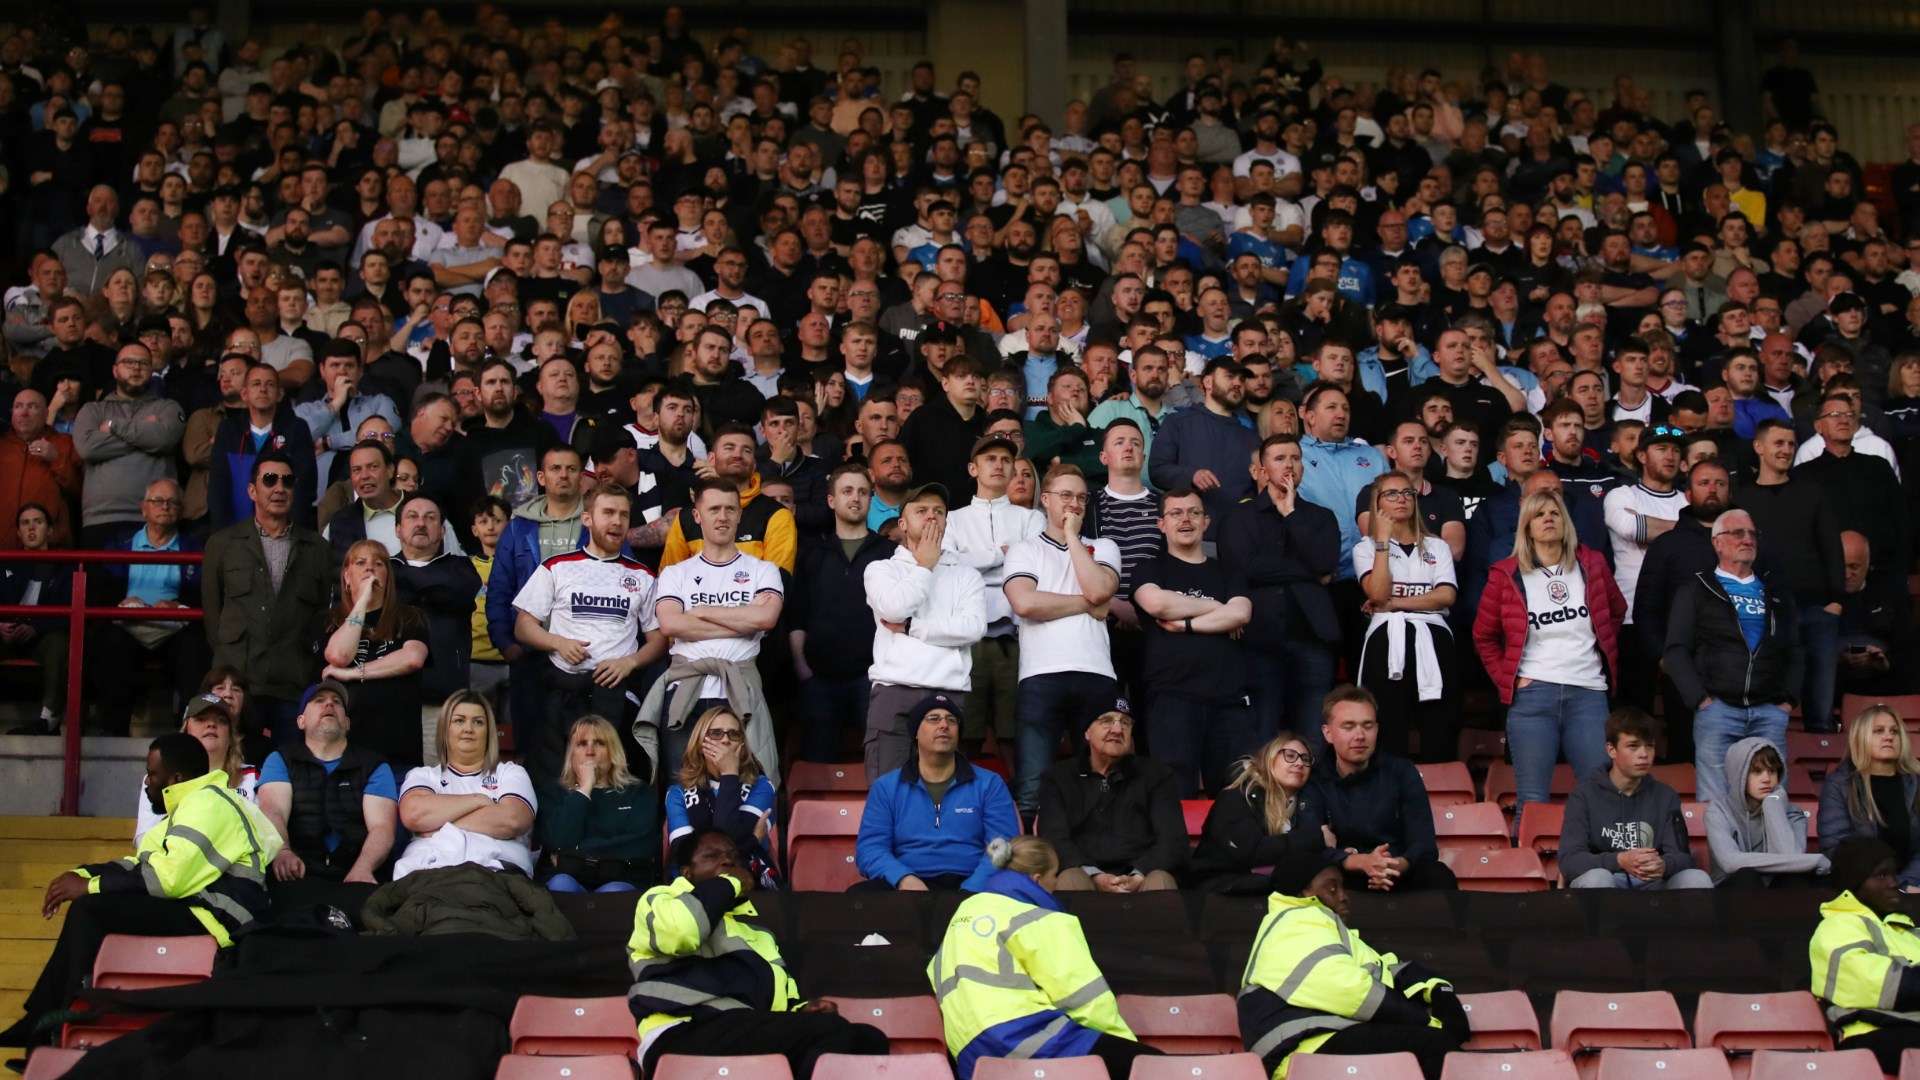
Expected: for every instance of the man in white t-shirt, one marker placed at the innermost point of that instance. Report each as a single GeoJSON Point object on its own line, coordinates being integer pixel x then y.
{"type": "Point", "coordinates": [1058, 585]}
{"type": "Point", "coordinates": [1638, 514]}
{"type": "Point", "coordinates": [591, 612]}
{"type": "Point", "coordinates": [715, 606]}
{"type": "Point", "coordinates": [981, 533]}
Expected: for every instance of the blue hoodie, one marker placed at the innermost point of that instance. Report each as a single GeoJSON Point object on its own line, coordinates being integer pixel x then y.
{"type": "Point", "coordinates": [903, 833]}
{"type": "Point", "coordinates": [1072, 1040]}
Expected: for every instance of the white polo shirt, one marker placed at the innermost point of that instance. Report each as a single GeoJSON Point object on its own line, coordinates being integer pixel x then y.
{"type": "Point", "coordinates": [1077, 642]}
{"type": "Point", "coordinates": [607, 603]}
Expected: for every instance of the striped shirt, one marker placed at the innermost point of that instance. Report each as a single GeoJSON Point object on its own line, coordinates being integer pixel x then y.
{"type": "Point", "coordinates": [1132, 522]}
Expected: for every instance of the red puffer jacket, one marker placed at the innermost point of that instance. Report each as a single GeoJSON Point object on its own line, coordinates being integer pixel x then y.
{"type": "Point", "coordinates": [1500, 628]}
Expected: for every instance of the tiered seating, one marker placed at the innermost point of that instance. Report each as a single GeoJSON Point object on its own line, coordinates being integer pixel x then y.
{"type": "Point", "coordinates": [1195, 812]}
{"type": "Point", "coordinates": [1354, 1067]}
{"type": "Point", "coordinates": [127, 962]}
{"type": "Point", "coordinates": [820, 842]}
{"type": "Point", "coordinates": [1214, 1067]}
{"type": "Point", "coordinates": [1623, 1064]}
{"type": "Point", "coordinates": [806, 778]}
{"type": "Point", "coordinates": [572, 1027]}
{"type": "Point", "coordinates": [1586, 1023]}
{"type": "Point", "coordinates": [1540, 829]}
{"type": "Point", "coordinates": [1193, 1024]}
{"type": "Point", "coordinates": [598, 1067]}
{"type": "Point", "coordinates": [1503, 1020]}
{"type": "Point", "coordinates": [1695, 815]}
{"type": "Point", "coordinates": [1447, 783]}
{"type": "Point", "coordinates": [1791, 1065]}
{"type": "Point", "coordinates": [1740, 1024]}
{"type": "Point", "coordinates": [892, 1067]}
{"type": "Point", "coordinates": [911, 1024]}
{"type": "Point", "coordinates": [1470, 828]}
{"type": "Point", "coordinates": [1077, 1068]}
{"type": "Point", "coordinates": [1515, 1065]}
{"type": "Point", "coordinates": [1498, 870]}
{"type": "Point", "coordinates": [1500, 785]}
{"type": "Point", "coordinates": [744, 1067]}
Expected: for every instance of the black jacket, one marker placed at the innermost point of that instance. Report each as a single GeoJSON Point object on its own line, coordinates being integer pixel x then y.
{"type": "Point", "coordinates": [1706, 652]}
{"type": "Point", "coordinates": [1865, 496]}
{"type": "Point", "coordinates": [1286, 562]}
{"type": "Point", "coordinates": [1800, 535]}
{"type": "Point", "coordinates": [828, 600]}
{"type": "Point", "coordinates": [808, 475]}
{"type": "Point", "coordinates": [1126, 820]}
{"type": "Point", "coordinates": [231, 466]}
{"type": "Point", "coordinates": [940, 444]}
{"type": "Point", "coordinates": [1386, 803]}
{"type": "Point", "coordinates": [1235, 839]}
{"type": "Point", "coordinates": [444, 590]}
{"type": "Point", "coordinates": [1671, 561]}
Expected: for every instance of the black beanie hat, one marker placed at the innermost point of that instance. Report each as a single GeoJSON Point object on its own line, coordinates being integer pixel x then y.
{"type": "Point", "coordinates": [1854, 861]}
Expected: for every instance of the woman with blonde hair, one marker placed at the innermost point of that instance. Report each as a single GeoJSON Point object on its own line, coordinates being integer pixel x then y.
{"type": "Point", "coordinates": [210, 719]}
{"type": "Point", "coordinates": [1875, 792]}
{"type": "Point", "coordinates": [722, 786]}
{"type": "Point", "coordinates": [472, 807]}
{"type": "Point", "coordinates": [1407, 575]}
{"type": "Point", "coordinates": [599, 826]}
{"type": "Point", "coordinates": [1264, 814]}
{"type": "Point", "coordinates": [1548, 631]}
{"type": "Point", "coordinates": [377, 646]}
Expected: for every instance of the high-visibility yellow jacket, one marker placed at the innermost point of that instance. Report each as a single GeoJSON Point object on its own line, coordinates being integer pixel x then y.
{"type": "Point", "coordinates": [1866, 968]}
{"type": "Point", "coordinates": [1309, 977]}
{"type": "Point", "coordinates": [212, 850]}
{"type": "Point", "coordinates": [691, 955]}
{"type": "Point", "coordinates": [1014, 978]}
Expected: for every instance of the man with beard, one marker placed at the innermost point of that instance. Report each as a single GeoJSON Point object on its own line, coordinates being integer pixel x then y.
{"type": "Point", "coordinates": [333, 417]}
{"type": "Point", "coordinates": [505, 443]}
{"type": "Point", "coordinates": [725, 398]}
{"type": "Point", "coordinates": [1145, 405]}
{"type": "Point", "coordinates": [442, 584]}
{"type": "Point", "coordinates": [127, 439]}
{"type": "Point", "coordinates": [1208, 449]}
{"type": "Point", "coordinates": [765, 529]}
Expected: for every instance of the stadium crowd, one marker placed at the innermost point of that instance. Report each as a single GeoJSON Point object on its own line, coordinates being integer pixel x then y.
{"type": "Point", "coordinates": [579, 424]}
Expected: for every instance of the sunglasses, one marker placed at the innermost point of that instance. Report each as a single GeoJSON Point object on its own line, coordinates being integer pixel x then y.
{"type": "Point", "coordinates": [723, 734]}
{"type": "Point", "coordinates": [275, 479]}
{"type": "Point", "coordinates": [1665, 429]}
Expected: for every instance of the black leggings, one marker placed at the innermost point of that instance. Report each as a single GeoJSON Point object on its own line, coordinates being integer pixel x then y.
{"type": "Point", "coordinates": [799, 1037]}
{"type": "Point", "coordinates": [1400, 708]}
{"type": "Point", "coordinates": [1430, 1044]}
{"type": "Point", "coordinates": [1887, 1045]}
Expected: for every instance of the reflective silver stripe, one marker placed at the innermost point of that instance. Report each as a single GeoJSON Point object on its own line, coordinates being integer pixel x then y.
{"type": "Point", "coordinates": [151, 877]}
{"type": "Point", "coordinates": [699, 911]}
{"type": "Point", "coordinates": [1297, 1029]}
{"type": "Point", "coordinates": [638, 967]}
{"type": "Point", "coordinates": [1375, 998]}
{"type": "Point", "coordinates": [253, 842]}
{"type": "Point", "coordinates": [1890, 987]}
{"type": "Point", "coordinates": [1833, 966]}
{"type": "Point", "coordinates": [653, 939]}
{"type": "Point", "coordinates": [198, 839]}
{"type": "Point", "coordinates": [1021, 922]}
{"type": "Point", "coordinates": [1873, 931]}
{"type": "Point", "coordinates": [971, 973]}
{"type": "Point", "coordinates": [728, 943]}
{"type": "Point", "coordinates": [1253, 957]}
{"type": "Point", "coordinates": [1084, 996]}
{"type": "Point", "coordinates": [225, 905]}
{"type": "Point", "coordinates": [1305, 967]}
{"type": "Point", "coordinates": [661, 990]}
{"type": "Point", "coordinates": [1033, 1043]}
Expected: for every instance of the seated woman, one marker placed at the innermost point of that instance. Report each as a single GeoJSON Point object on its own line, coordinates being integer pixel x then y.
{"type": "Point", "coordinates": [1875, 792]}
{"type": "Point", "coordinates": [1866, 956]}
{"type": "Point", "coordinates": [1755, 838]}
{"type": "Point", "coordinates": [208, 719]}
{"type": "Point", "coordinates": [722, 786]}
{"type": "Point", "coordinates": [600, 827]}
{"type": "Point", "coordinates": [377, 646]}
{"type": "Point", "coordinates": [1264, 814]}
{"type": "Point", "coordinates": [472, 807]}
{"type": "Point", "coordinates": [1063, 1009]}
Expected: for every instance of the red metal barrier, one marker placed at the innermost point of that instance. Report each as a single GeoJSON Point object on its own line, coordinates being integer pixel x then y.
{"type": "Point", "coordinates": [78, 614]}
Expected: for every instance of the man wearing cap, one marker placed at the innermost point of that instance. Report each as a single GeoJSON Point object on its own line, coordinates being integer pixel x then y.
{"type": "Point", "coordinates": [981, 533]}
{"type": "Point", "coordinates": [927, 823]}
{"type": "Point", "coordinates": [333, 805]}
{"type": "Point", "coordinates": [929, 610]}
{"type": "Point", "coordinates": [1637, 514]}
{"type": "Point", "coordinates": [1208, 449]}
{"type": "Point", "coordinates": [1113, 815]}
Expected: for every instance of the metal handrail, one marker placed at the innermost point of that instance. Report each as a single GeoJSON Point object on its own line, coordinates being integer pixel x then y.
{"type": "Point", "coordinates": [78, 613]}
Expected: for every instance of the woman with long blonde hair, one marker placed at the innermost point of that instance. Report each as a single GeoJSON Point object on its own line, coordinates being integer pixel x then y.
{"type": "Point", "coordinates": [1263, 814]}
{"type": "Point", "coordinates": [1876, 791]}
{"type": "Point", "coordinates": [722, 786]}
{"type": "Point", "coordinates": [377, 646]}
{"type": "Point", "coordinates": [599, 825]}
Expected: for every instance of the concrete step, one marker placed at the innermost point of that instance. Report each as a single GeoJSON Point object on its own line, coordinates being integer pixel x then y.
{"type": "Point", "coordinates": [33, 875]}
{"type": "Point", "coordinates": [28, 928]}
{"type": "Point", "coordinates": [67, 828]}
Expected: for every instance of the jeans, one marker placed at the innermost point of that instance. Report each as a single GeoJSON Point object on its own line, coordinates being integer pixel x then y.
{"type": "Point", "coordinates": [1046, 705]}
{"type": "Point", "coordinates": [828, 707]}
{"type": "Point", "coordinates": [567, 883]}
{"type": "Point", "coordinates": [1547, 720]}
{"type": "Point", "coordinates": [1611, 879]}
{"type": "Point", "coordinates": [1288, 686]}
{"type": "Point", "coordinates": [1198, 739]}
{"type": "Point", "coordinates": [1720, 725]}
{"type": "Point", "coordinates": [1820, 638]}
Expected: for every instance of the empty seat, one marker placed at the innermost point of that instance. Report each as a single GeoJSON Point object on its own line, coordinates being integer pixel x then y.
{"type": "Point", "coordinates": [745, 1067]}
{"type": "Point", "coordinates": [1188, 1024]}
{"type": "Point", "coordinates": [1905, 706]}
{"type": "Point", "coordinates": [911, 1024]}
{"type": "Point", "coordinates": [1470, 827]}
{"type": "Point", "coordinates": [1747, 1022]}
{"type": "Point", "coordinates": [1805, 779]}
{"type": "Point", "coordinates": [1695, 815]}
{"type": "Point", "coordinates": [818, 778]}
{"type": "Point", "coordinates": [895, 1066]}
{"type": "Point", "coordinates": [129, 962]}
{"type": "Point", "coordinates": [1910, 1065]}
{"type": "Point", "coordinates": [597, 1067]}
{"type": "Point", "coordinates": [1198, 1067]}
{"type": "Point", "coordinates": [1814, 747]}
{"type": "Point", "coordinates": [1501, 788]}
{"type": "Point", "coordinates": [1503, 1020]}
{"type": "Point", "coordinates": [1811, 808]}
{"type": "Point", "coordinates": [1353, 1067]}
{"type": "Point", "coordinates": [1074, 1068]}
{"type": "Point", "coordinates": [1585, 1022]}
{"type": "Point", "coordinates": [51, 1063]}
{"type": "Point", "coordinates": [1622, 1064]}
{"type": "Point", "coordinates": [571, 1027]}
{"type": "Point", "coordinates": [1828, 1065]}
{"type": "Point", "coordinates": [1195, 812]}
{"type": "Point", "coordinates": [1509, 870]}
{"type": "Point", "coordinates": [1540, 829]}
{"type": "Point", "coordinates": [820, 841]}
{"type": "Point", "coordinates": [1447, 783]}
{"type": "Point", "coordinates": [1480, 747]}
{"type": "Point", "coordinates": [1680, 777]}
{"type": "Point", "coordinates": [1510, 1065]}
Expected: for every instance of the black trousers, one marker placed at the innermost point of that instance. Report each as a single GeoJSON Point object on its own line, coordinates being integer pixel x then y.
{"type": "Point", "coordinates": [1119, 1054]}
{"type": "Point", "coordinates": [1887, 1045]}
{"type": "Point", "coordinates": [1430, 1044]}
{"type": "Point", "coordinates": [1430, 876]}
{"type": "Point", "coordinates": [1401, 710]}
{"type": "Point", "coordinates": [89, 920]}
{"type": "Point", "coordinates": [799, 1037]}
{"type": "Point", "coordinates": [115, 660]}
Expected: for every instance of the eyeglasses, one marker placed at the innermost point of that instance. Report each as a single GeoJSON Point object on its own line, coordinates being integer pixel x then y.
{"type": "Point", "coordinates": [1069, 499]}
{"type": "Point", "coordinates": [1741, 534]}
{"type": "Point", "coordinates": [1401, 494]}
{"type": "Point", "coordinates": [951, 296]}
{"type": "Point", "coordinates": [166, 502]}
{"type": "Point", "coordinates": [1296, 757]}
{"type": "Point", "coordinates": [275, 479]}
{"type": "Point", "coordinates": [724, 734]}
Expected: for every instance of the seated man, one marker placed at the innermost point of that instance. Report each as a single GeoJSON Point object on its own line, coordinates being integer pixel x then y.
{"type": "Point", "coordinates": [201, 871]}
{"type": "Point", "coordinates": [927, 823]}
{"type": "Point", "coordinates": [1866, 956]}
{"type": "Point", "coordinates": [1376, 803]}
{"type": "Point", "coordinates": [1113, 815]}
{"type": "Point", "coordinates": [334, 805]}
{"type": "Point", "coordinates": [1314, 987]}
{"type": "Point", "coordinates": [1623, 827]}
{"type": "Point", "coordinates": [709, 982]}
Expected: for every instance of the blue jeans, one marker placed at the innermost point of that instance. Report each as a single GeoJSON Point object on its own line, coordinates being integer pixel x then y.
{"type": "Point", "coordinates": [1547, 720]}
{"type": "Point", "coordinates": [1820, 638]}
{"type": "Point", "coordinates": [1288, 686]}
{"type": "Point", "coordinates": [566, 883]}
{"type": "Point", "coordinates": [1199, 739]}
{"type": "Point", "coordinates": [829, 707]}
{"type": "Point", "coordinates": [1044, 706]}
{"type": "Point", "coordinates": [1720, 725]}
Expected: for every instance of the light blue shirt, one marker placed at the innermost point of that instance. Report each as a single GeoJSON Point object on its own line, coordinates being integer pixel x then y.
{"type": "Point", "coordinates": [149, 582]}
{"type": "Point", "coordinates": [1336, 473]}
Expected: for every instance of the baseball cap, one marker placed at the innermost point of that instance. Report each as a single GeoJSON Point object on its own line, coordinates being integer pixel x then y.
{"type": "Point", "coordinates": [205, 703]}
{"type": "Point", "coordinates": [324, 686]}
{"type": "Point", "coordinates": [1846, 301]}
{"type": "Point", "coordinates": [988, 442]}
{"type": "Point", "coordinates": [1663, 433]}
{"type": "Point", "coordinates": [916, 491]}
{"type": "Point", "coordinates": [610, 252]}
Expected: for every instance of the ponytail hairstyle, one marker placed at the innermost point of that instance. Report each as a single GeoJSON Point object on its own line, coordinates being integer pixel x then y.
{"type": "Point", "coordinates": [1027, 855]}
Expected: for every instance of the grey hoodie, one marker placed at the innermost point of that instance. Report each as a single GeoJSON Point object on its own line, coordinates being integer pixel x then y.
{"type": "Point", "coordinates": [1771, 839]}
{"type": "Point", "coordinates": [1602, 821]}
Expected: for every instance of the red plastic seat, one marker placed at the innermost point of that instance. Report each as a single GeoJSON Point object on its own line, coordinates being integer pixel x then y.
{"type": "Point", "coordinates": [1540, 829]}
{"type": "Point", "coordinates": [1511, 1065]}
{"type": "Point", "coordinates": [51, 1063]}
{"type": "Point", "coordinates": [573, 1027]}
{"type": "Point", "coordinates": [1829, 1065]}
{"type": "Point", "coordinates": [596, 1067]}
{"type": "Point", "coordinates": [1447, 783]}
{"type": "Point", "coordinates": [1811, 808]}
{"type": "Point", "coordinates": [129, 962]}
{"type": "Point", "coordinates": [1738, 1023]}
{"type": "Point", "coordinates": [1815, 747]}
{"type": "Point", "coordinates": [1354, 1067]}
{"type": "Point", "coordinates": [1695, 814]}
{"type": "Point", "coordinates": [1195, 812]}
{"type": "Point", "coordinates": [1511, 870]}
{"type": "Point", "coordinates": [1191, 1024]}
{"type": "Point", "coordinates": [1804, 779]}
{"type": "Point", "coordinates": [1503, 1020]}
{"type": "Point", "coordinates": [1585, 1022]}
{"type": "Point", "coordinates": [1198, 1067]}
{"type": "Point", "coordinates": [1623, 1064]}
{"type": "Point", "coordinates": [911, 1024]}
{"type": "Point", "coordinates": [895, 1066]}
{"type": "Point", "coordinates": [806, 778]}
{"type": "Point", "coordinates": [1910, 1065]}
{"type": "Point", "coordinates": [1481, 747]}
{"type": "Point", "coordinates": [1905, 706]}
{"type": "Point", "coordinates": [1470, 828]}
{"type": "Point", "coordinates": [820, 842]}
{"type": "Point", "coordinates": [1501, 788]}
{"type": "Point", "coordinates": [1680, 777]}
{"type": "Point", "coordinates": [745, 1067]}
{"type": "Point", "coordinates": [1073, 1068]}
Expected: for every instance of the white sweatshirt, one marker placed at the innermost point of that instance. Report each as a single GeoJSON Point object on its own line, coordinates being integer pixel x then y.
{"type": "Point", "coordinates": [980, 533]}
{"type": "Point", "coordinates": [945, 612]}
